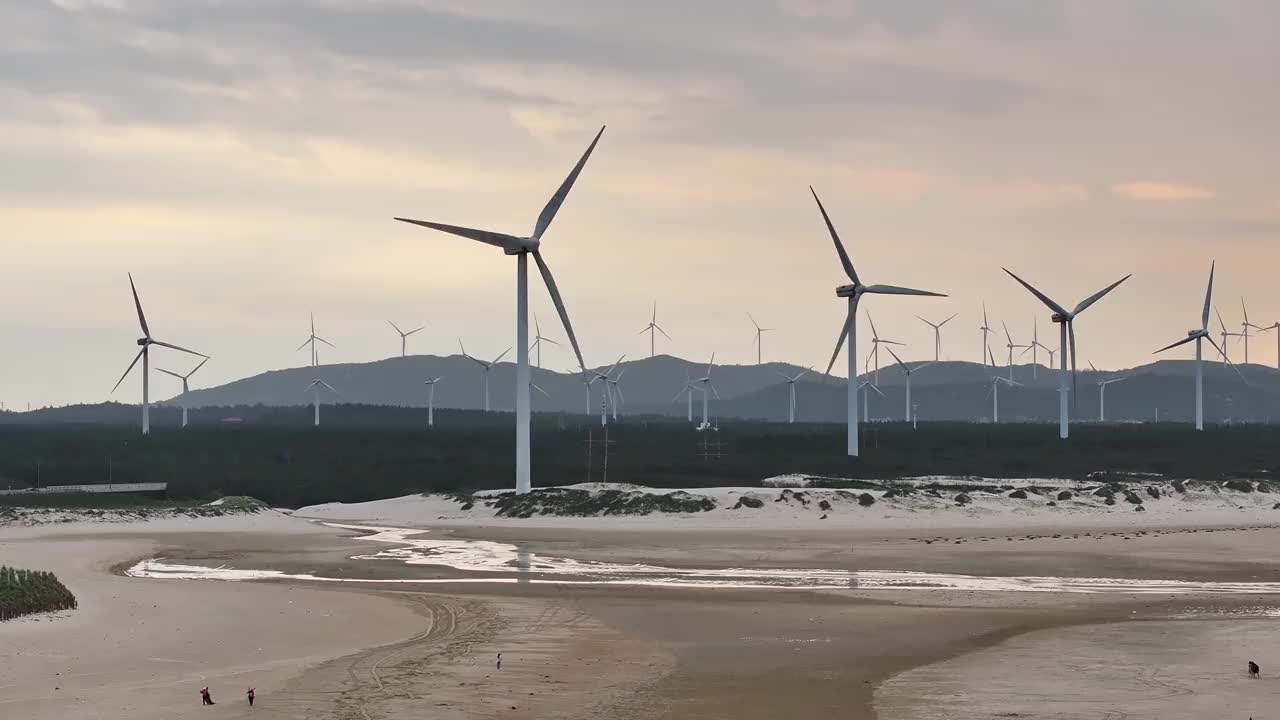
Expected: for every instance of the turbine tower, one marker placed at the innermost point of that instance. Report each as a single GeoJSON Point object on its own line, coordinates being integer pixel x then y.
{"type": "Point", "coordinates": [431, 400]}
{"type": "Point", "coordinates": [907, 370]}
{"type": "Point", "coordinates": [791, 392]}
{"type": "Point", "coordinates": [653, 327]}
{"type": "Point", "coordinates": [311, 340]}
{"type": "Point", "coordinates": [538, 339]}
{"type": "Point", "coordinates": [707, 388]}
{"type": "Point", "coordinates": [986, 330]}
{"type": "Point", "coordinates": [853, 292]}
{"type": "Point", "coordinates": [687, 391]}
{"type": "Point", "coordinates": [866, 400]}
{"type": "Point", "coordinates": [1066, 321]}
{"type": "Point", "coordinates": [185, 388]}
{"type": "Point", "coordinates": [314, 387]}
{"type": "Point", "coordinates": [937, 334]}
{"type": "Point", "coordinates": [995, 394]}
{"type": "Point", "coordinates": [486, 366]}
{"type": "Point", "coordinates": [1196, 335]}
{"type": "Point", "coordinates": [144, 353]}
{"type": "Point", "coordinates": [759, 339]}
{"type": "Point", "coordinates": [404, 336]}
{"type": "Point", "coordinates": [522, 248]}
{"type": "Point", "coordinates": [1102, 394]}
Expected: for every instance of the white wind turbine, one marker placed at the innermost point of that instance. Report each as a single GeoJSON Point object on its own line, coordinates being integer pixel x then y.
{"type": "Point", "coordinates": [866, 401]}
{"type": "Point", "coordinates": [522, 248]}
{"type": "Point", "coordinates": [986, 330]}
{"type": "Point", "coordinates": [707, 389]}
{"type": "Point", "coordinates": [146, 341]}
{"type": "Point", "coordinates": [185, 388]}
{"type": "Point", "coordinates": [314, 387]}
{"type": "Point", "coordinates": [1226, 335]}
{"type": "Point", "coordinates": [1102, 394]}
{"type": "Point", "coordinates": [1274, 327]}
{"type": "Point", "coordinates": [1245, 326]}
{"type": "Point", "coordinates": [1035, 346]}
{"type": "Point", "coordinates": [853, 292]}
{"type": "Point", "coordinates": [653, 327]}
{"type": "Point", "coordinates": [687, 391]}
{"type": "Point", "coordinates": [615, 392]}
{"type": "Point", "coordinates": [759, 339]}
{"type": "Point", "coordinates": [791, 391]}
{"type": "Point", "coordinates": [602, 378]}
{"type": "Point", "coordinates": [404, 336]}
{"type": "Point", "coordinates": [907, 370]}
{"type": "Point", "coordinates": [1196, 335]}
{"type": "Point", "coordinates": [1066, 320]}
{"type": "Point", "coordinates": [937, 334]}
{"type": "Point", "coordinates": [431, 400]}
{"type": "Point", "coordinates": [311, 340]}
{"type": "Point", "coordinates": [876, 342]}
{"type": "Point", "coordinates": [538, 339]}
{"type": "Point", "coordinates": [994, 392]}
{"type": "Point", "coordinates": [486, 366]}
{"type": "Point", "coordinates": [1011, 345]}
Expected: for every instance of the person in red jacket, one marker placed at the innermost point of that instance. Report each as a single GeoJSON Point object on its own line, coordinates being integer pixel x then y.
{"type": "Point", "coordinates": [205, 699]}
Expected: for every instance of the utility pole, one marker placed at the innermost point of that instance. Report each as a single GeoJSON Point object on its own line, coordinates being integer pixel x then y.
{"type": "Point", "coordinates": [589, 443]}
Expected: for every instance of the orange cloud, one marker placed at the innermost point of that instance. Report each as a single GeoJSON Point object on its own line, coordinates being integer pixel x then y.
{"type": "Point", "coordinates": [1162, 191]}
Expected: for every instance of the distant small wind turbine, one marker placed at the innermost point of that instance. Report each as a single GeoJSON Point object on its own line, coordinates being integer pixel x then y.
{"type": "Point", "coordinates": [311, 340]}
{"type": "Point", "coordinates": [1035, 346]}
{"type": "Point", "coordinates": [314, 387]}
{"type": "Point", "coordinates": [853, 292]}
{"type": "Point", "coordinates": [538, 339]}
{"type": "Point", "coordinates": [185, 388]}
{"type": "Point", "coordinates": [603, 378]}
{"type": "Point", "coordinates": [404, 336]}
{"type": "Point", "coordinates": [1226, 335]}
{"type": "Point", "coordinates": [707, 389]}
{"type": "Point", "coordinates": [1102, 393]}
{"type": "Point", "coordinates": [1066, 319]}
{"type": "Point", "coordinates": [1274, 327]}
{"type": "Point", "coordinates": [791, 391]}
{"type": "Point", "coordinates": [907, 370]}
{"type": "Point", "coordinates": [144, 354]}
{"type": "Point", "coordinates": [687, 391]}
{"type": "Point", "coordinates": [759, 338]}
{"type": "Point", "coordinates": [486, 366]}
{"type": "Point", "coordinates": [1011, 347]}
{"type": "Point", "coordinates": [937, 334]}
{"type": "Point", "coordinates": [994, 392]}
{"type": "Point", "coordinates": [866, 400]}
{"type": "Point", "coordinates": [1245, 326]}
{"type": "Point", "coordinates": [876, 342]}
{"type": "Point", "coordinates": [614, 385]}
{"type": "Point", "coordinates": [986, 330]}
{"type": "Point", "coordinates": [431, 400]}
{"type": "Point", "coordinates": [653, 327]}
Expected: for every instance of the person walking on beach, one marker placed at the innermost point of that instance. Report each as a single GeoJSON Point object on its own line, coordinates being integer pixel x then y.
{"type": "Point", "coordinates": [1254, 669]}
{"type": "Point", "coordinates": [250, 696]}
{"type": "Point", "coordinates": [499, 661]}
{"type": "Point", "coordinates": [205, 699]}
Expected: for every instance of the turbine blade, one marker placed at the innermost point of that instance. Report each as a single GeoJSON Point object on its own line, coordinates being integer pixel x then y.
{"type": "Point", "coordinates": [553, 205]}
{"type": "Point", "coordinates": [844, 333]}
{"type": "Point", "coordinates": [304, 344]}
{"type": "Point", "coordinates": [501, 240]}
{"type": "Point", "coordinates": [713, 390]}
{"type": "Point", "coordinates": [193, 371]}
{"type": "Point", "coordinates": [1228, 361]}
{"type": "Point", "coordinates": [550, 282]}
{"type": "Point", "coordinates": [664, 332]}
{"type": "Point", "coordinates": [844, 257]}
{"type": "Point", "coordinates": [499, 358]}
{"type": "Point", "coordinates": [944, 322]}
{"type": "Point", "coordinates": [1043, 298]}
{"type": "Point", "coordinates": [545, 339]}
{"type": "Point", "coordinates": [710, 364]}
{"type": "Point", "coordinates": [875, 336]}
{"type": "Point", "coordinates": [180, 349]}
{"type": "Point", "coordinates": [895, 290]}
{"type": "Point", "coordinates": [1006, 332]}
{"type": "Point", "coordinates": [535, 387]}
{"type": "Point", "coordinates": [142, 319]}
{"type": "Point", "coordinates": [1085, 303]}
{"type": "Point", "coordinates": [1183, 341]}
{"type": "Point", "coordinates": [417, 329]}
{"type": "Point", "coordinates": [397, 327]}
{"type": "Point", "coordinates": [895, 357]}
{"type": "Point", "coordinates": [312, 384]}
{"type": "Point", "coordinates": [1071, 333]}
{"type": "Point", "coordinates": [129, 369]}
{"type": "Point", "coordinates": [1220, 323]}
{"type": "Point", "coordinates": [326, 342]}
{"type": "Point", "coordinates": [1208, 297]}
{"type": "Point", "coordinates": [174, 374]}
{"type": "Point", "coordinates": [878, 391]}
{"type": "Point", "coordinates": [1091, 366]}
{"type": "Point", "coordinates": [335, 392]}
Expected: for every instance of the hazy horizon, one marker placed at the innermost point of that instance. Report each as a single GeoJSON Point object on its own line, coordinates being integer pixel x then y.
{"type": "Point", "coordinates": [245, 159]}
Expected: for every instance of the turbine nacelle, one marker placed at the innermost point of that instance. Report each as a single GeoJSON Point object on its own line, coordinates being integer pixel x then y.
{"type": "Point", "coordinates": [143, 342]}
{"type": "Point", "coordinates": [853, 290]}
{"type": "Point", "coordinates": [522, 245]}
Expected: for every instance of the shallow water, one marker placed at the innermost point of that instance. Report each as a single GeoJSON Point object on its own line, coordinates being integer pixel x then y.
{"type": "Point", "coordinates": [486, 561]}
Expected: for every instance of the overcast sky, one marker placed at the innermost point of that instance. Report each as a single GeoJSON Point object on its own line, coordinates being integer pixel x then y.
{"type": "Point", "coordinates": [244, 158]}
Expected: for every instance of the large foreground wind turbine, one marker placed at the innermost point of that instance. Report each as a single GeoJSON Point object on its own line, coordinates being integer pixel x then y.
{"type": "Point", "coordinates": [853, 292]}
{"type": "Point", "coordinates": [791, 392]}
{"type": "Point", "coordinates": [653, 327]}
{"type": "Point", "coordinates": [759, 339]}
{"type": "Point", "coordinates": [522, 248]}
{"type": "Point", "coordinates": [185, 388]}
{"type": "Point", "coordinates": [937, 334]}
{"type": "Point", "coordinates": [314, 387]}
{"type": "Point", "coordinates": [404, 336]}
{"type": "Point", "coordinates": [146, 341]}
{"type": "Point", "coordinates": [431, 400]}
{"type": "Point", "coordinates": [486, 366]}
{"type": "Point", "coordinates": [907, 370]}
{"type": "Point", "coordinates": [1066, 319]}
{"type": "Point", "coordinates": [1196, 335]}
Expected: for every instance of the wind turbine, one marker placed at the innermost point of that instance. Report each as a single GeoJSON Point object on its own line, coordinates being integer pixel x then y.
{"type": "Point", "coordinates": [314, 387]}
{"type": "Point", "coordinates": [866, 401]}
{"type": "Point", "coordinates": [791, 391]}
{"type": "Point", "coordinates": [487, 366]}
{"type": "Point", "coordinates": [707, 388]}
{"type": "Point", "coordinates": [876, 342]}
{"type": "Point", "coordinates": [615, 391]}
{"type": "Point", "coordinates": [404, 336]}
{"type": "Point", "coordinates": [1225, 334]}
{"type": "Point", "coordinates": [986, 329]}
{"type": "Point", "coordinates": [1035, 345]}
{"type": "Point", "coordinates": [653, 327]}
{"type": "Point", "coordinates": [603, 378]}
{"type": "Point", "coordinates": [145, 342]}
{"type": "Point", "coordinates": [1196, 335]}
{"type": "Point", "coordinates": [522, 248]}
{"type": "Point", "coordinates": [937, 334]}
{"type": "Point", "coordinates": [1102, 394]}
{"type": "Point", "coordinates": [185, 389]}
{"type": "Point", "coordinates": [431, 400]}
{"type": "Point", "coordinates": [1244, 330]}
{"type": "Point", "coordinates": [1066, 319]}
{"type": "Point", "coordinates": [311, 340]}
{"type": "Point", "coordinates": [538, 339]}
{"type": "Point", "coordinates": [907, 370]}
{"type": "Point", "coordinates": [853, 292]}
{"type": "Point", "coordinates": [687, 391]}
{"type": "Point", "coordinates": [759, 340]}
{"type": "Point", "coordinates": [1274, 327]}
{"type": "Point", "coordinates": [995, 394]}
{"type": "Point", "coordinates": [1011, 346]}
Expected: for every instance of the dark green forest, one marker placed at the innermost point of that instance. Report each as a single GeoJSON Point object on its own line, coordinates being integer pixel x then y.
{"type": "Point", "coordinates": [291, 465]}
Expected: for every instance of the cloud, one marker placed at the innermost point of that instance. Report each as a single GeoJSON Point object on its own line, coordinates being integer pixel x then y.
{"type": "Point", "coordinates": [1162, 191]}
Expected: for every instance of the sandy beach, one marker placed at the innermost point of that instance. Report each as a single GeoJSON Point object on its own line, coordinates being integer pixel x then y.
{"type": "Point", "coordinates": [384, 637]}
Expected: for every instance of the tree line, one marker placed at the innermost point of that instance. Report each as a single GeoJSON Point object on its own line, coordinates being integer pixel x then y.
{"type": "Point", "coordinates": [23, 592]}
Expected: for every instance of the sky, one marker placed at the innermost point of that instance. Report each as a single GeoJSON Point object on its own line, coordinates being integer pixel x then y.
{"type": "Point", "coordinates": [244, 160]}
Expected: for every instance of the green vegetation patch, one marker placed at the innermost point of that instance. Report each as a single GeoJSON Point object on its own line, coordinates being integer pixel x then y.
{"type": "Point", "coordinates": [569, 502]}
{"type": "Point", "coordinates": [24, 592]}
